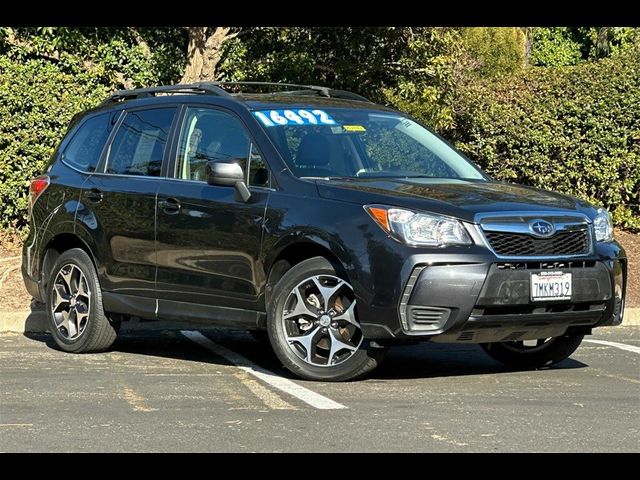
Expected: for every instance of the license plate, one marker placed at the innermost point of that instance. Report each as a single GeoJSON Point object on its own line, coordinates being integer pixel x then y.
{"type": "Point", "coordinates": [550, 286]}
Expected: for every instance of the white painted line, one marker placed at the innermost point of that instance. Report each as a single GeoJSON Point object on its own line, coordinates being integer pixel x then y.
{"type": "Point", "coordinates": [308, 396]}
{"type": "Point", "coordinates": [270, 398]}
{"type": "Point", "coordinates": [621, 346]}
{"type": "Point", "coordinates": [137, 401]}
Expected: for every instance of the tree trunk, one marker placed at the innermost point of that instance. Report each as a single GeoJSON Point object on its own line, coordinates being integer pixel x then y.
{"type": "Point", "coordinates": [528, 44]}
{"type": "Point", "coordinates": [204, 52]}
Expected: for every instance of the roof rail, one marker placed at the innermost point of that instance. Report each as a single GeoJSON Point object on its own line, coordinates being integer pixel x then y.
{"type": "Point", "coordinates": [304, 90]}
{"type": "Point", "coordinates": [211, 88]}
{"type": "Point", "coordinates": [215, 88]}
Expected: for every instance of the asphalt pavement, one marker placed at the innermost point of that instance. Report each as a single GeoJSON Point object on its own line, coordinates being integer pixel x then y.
{"type": "Point", "coordinates": [217, 390]}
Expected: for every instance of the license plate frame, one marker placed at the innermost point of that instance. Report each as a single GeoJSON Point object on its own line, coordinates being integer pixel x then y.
{"type": "Point", "coordinates": [550, 286]}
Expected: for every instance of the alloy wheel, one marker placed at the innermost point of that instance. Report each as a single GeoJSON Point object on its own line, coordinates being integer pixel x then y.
{"type": "Point", "coordinates": [319, 321]}
{"type": "Point", "coordinates": [70, 302]}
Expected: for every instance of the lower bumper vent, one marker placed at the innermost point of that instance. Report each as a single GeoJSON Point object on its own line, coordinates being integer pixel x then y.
{"type": "Point", "coordinates": [465, 337]}
{"type": "Point", "coordinates": [422, 318]}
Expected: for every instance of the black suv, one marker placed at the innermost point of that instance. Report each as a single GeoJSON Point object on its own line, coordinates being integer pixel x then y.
{"type": "Point", "coordinates": [337, 225]}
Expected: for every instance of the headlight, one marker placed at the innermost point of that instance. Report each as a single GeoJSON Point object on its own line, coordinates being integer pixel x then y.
{"type": "Point", "coordinates": [603, 226]}
{"type": "Point", "coordinates": [419, 228]}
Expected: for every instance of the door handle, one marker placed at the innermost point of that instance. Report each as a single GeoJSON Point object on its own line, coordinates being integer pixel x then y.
{"type": "Point", "coordinates": [170, 206]}
{"type": "Point", "coordinates": [94, 195]}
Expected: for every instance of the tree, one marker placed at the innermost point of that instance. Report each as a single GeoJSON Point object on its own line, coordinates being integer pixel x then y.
{"type": "Point", "coordinates": [493, 51]}
{"type": "Point", "coordinates": [124, 57]}
{"type": "Point", "coordinates": [204, 52]}
{"type": "Point", "coordinates": [410, 68]}
{"type": "Point", "coordinates": [351, 58]}
{"type": "Point", "coordinates": [425, 75]}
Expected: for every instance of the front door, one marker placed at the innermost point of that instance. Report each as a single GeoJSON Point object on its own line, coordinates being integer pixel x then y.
{"type": "Point", "coordinates": [209, 239]}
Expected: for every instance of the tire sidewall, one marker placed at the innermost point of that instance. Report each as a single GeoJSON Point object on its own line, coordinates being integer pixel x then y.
{"type": "Point", "coordinates": [348, 369]}
{"type": "Point", "coordinates": [81, 260]}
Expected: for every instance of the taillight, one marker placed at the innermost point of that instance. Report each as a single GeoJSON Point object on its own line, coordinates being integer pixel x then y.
{"type": "Point", "coordinates": [37, 187]}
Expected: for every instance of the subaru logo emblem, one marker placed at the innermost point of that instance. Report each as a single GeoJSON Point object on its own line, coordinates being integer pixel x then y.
{"type": "Point", "coordinates": [541, 228]}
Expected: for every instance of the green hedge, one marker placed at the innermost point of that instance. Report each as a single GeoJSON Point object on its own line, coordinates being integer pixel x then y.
{"type": "Point", "coordinates": [37, 102]}
{"type": "Point", "coordinates": [572, 129]}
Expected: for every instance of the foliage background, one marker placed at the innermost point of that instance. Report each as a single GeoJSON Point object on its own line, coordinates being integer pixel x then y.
{"type": "Point", "coordinates": [556, 108]}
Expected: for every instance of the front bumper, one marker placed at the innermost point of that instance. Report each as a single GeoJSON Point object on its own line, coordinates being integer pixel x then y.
{"type": "Point", "coordinates": [488, 300]}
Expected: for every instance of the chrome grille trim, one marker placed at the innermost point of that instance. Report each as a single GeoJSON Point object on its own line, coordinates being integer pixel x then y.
{"type": "Point", "coordinates": [406, 295]}
{"type": "Point", "coordinates": [517, 223]}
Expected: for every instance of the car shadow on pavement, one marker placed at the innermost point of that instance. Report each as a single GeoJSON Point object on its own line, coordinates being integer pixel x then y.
{"type": "Point", "coordinates": [424, 360]}
{"type": "Point", "coordinates": [432, 360]}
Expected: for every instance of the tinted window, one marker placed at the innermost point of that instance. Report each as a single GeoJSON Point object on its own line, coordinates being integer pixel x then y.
{"type": "Point", "coordinates": [258, 171]}
{"type": "Point", "coordinates": [84, 149]}
{"type": "Point", "coordinates": [138, 147]}
{"type": "Point", "coordinates": [212, 135]}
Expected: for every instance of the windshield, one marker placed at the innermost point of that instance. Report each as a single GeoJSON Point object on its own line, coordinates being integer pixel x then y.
{"type": "Point", "coordinates": [347, 143]}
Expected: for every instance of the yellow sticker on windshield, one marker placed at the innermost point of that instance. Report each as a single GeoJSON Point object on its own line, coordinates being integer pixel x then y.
{"type": "Point", "coordinates": [354, 128]}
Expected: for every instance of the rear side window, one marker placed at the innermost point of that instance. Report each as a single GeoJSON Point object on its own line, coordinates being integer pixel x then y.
{"type": "Point", "coordinates": [84, 150]}
{"type": "Point", "coordinates": [138, 147]}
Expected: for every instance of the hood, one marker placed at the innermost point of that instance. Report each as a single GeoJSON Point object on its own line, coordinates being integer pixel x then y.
{"type": "Point", "coordinates": [457, 198]}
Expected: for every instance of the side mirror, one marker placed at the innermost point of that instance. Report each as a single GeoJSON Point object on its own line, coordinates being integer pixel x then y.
{"type": "Point", "coordinates": [228, 173]}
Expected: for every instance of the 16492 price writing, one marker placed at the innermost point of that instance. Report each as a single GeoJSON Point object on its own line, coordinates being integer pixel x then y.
{"type": "Point", "coordinates": [273, 118]}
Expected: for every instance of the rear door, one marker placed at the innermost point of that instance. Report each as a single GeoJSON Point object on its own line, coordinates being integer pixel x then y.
{"type": "Point", "coordinates": [208, 238]}
{"type": "Point", "coordinates": [120, 201]}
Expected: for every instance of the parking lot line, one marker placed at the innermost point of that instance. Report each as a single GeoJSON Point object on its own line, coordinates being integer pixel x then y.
{"type": "Point", "coordinates": [271, 399]}
{"type": "Point", "coordinates": [621, 346]}
{"type": "Point", "coordinates": [135, 400]}
{"type": "Point", "coordinates": [307, 396]}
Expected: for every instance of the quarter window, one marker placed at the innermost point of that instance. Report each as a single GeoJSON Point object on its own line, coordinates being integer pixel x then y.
{"type": "Point", "coordinates": [85, 148]}
{"type": "Point", "coordinates": [138, 147]}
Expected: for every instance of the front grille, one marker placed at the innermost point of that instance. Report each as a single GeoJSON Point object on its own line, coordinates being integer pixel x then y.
{"type": "Point", "coordinates": [575, 242]}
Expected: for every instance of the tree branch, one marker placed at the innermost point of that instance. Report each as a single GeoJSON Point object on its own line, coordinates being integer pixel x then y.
{"type": "Point", "coordinates": [28, 47]}
{"type": "Point", "coordinates": [144, 46]}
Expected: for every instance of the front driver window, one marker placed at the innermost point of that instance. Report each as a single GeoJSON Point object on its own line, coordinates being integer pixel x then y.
{"type": "Point", "coordinates": [212, 135]}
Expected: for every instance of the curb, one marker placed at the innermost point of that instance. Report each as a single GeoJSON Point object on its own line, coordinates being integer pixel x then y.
{"type": "Point", "coordinates": [35, 321]}
{"type": "Point", "coordinates": [23, 321]}
{"type": "Point", "coordinates": [631, 317]}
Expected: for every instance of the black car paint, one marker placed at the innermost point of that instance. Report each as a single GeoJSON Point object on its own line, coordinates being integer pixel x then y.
{"type": "Point", "coordinates": [210, 260]}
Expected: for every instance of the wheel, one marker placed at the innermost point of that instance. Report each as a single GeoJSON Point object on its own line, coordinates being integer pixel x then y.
{"type": "Point", "coordinates": [534, 353]}
{"type": "Point", "coordinates": [313, 326]}
{"type": "Point", "coordinates": [76, 317]}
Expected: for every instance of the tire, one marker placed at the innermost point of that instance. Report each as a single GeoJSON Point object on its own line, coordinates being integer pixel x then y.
{"type": "Point", "coordinates": [515, 354]}
{"type": "Point", "coordinates": [87, 328]}
{"type": "Point", "coordinates": [360, 358]}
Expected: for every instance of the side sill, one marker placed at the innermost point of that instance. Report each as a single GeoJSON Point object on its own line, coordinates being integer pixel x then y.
{"type": "Point", "coordinates": [208, 314]}
{"type": "Point", "coordinates": [143, 307]}
{"type": "Point", "coordinates": [152, 309]}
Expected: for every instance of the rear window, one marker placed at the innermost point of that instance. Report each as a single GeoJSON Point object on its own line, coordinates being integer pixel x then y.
{"type": "Point", "coordinates": [138, 147]}
{"type": "Point", "coordinates": [85, 148]}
